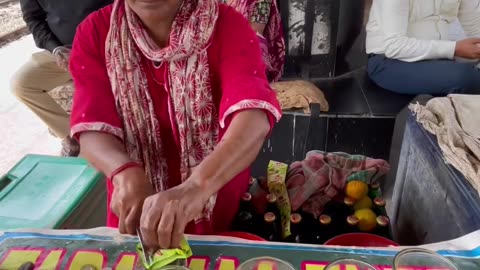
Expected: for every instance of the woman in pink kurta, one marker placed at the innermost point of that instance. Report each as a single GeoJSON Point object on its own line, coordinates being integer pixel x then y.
{"type": "Point", "coordinates": [172, 103]}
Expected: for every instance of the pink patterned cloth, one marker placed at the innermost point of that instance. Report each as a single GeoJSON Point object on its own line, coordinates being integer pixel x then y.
{"type": "Point", "coordinates": [313, 182]}
{"type": "Point", "coordinates": [320, 177]}
{"type": "Point", "coordinates": [272, 41]}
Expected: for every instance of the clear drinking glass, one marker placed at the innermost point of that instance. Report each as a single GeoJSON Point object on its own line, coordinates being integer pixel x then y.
{"type": "Point", "coordinates": [343, 263]}
{"type": "Point", "coordinates": [265, 263]}
{"type": "Point", "coordinates": [420, 257]}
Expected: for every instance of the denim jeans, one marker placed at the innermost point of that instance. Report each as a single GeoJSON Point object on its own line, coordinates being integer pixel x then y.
{"type": "Point", "coordinates": [435, 77]}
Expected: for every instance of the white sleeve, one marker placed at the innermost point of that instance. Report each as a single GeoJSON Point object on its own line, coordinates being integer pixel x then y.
{"type": "Point", "coordinates": [394, 16]}
{"type": "Point", "coordinates": [469, 17]}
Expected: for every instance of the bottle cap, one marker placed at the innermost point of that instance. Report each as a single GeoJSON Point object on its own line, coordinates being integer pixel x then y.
{"type": "Point", "coordinates": [379, 202]}
{"type": "Point", "coordinates": [352, 220]}
{"type": "Point", "coordinates": [383, 221]}
{"type": "Point", "coordinates": [271, 198]}
{"type": "Point", "coordinates": [247, 197]}
{"type": "Point", "coordinates": [375, 185]}
{"type": "Point", "coordinates": [252, 181]}
{"type": "Point", "coordinates": [269, 217]}
{"type": "Point", "coordinates": [295, 218]}
{"type": "Point", "coordinates": [325, 219]}
{"type": "Point", "coordinates": [349, 201]}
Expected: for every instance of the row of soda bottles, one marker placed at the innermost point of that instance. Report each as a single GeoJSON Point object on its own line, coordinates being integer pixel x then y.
{"type": "Point", "coordinates": [337, 217]}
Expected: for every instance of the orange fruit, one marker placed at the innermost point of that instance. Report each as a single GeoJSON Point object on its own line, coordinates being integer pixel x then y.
{"type": "Point", "coordinates": [363, 203]}
{"type": "Point", "coordinates": [367, 220]}
{"type": "Point", "coordinates": [356, 189]}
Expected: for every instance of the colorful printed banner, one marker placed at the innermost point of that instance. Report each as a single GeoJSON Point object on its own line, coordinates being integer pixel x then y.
{"type": "Point", "coordinates": [104, 249]}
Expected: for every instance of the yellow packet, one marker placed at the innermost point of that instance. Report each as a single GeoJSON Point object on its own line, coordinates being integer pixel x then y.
{"type": "Point", "coordinates": [164, 257]}
{"type": "Point", "coordinates": [277, 174]}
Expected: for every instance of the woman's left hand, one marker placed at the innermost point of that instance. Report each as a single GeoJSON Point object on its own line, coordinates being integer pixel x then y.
{"type": "Point", "coordinates": [166, 214]}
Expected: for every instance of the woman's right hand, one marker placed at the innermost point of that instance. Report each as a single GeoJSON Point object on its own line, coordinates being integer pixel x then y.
{"type": "Point", "coordinates": [468, 48]}
{"type": "Point", "coordinates": [131, 188]}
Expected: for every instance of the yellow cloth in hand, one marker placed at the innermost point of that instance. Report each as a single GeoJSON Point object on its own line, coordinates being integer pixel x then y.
{"type": "Point", "coordinates": [164, 257]}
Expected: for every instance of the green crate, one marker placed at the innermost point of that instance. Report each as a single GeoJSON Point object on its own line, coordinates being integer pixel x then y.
{"type": "Point", "coordinates": [52, 193]}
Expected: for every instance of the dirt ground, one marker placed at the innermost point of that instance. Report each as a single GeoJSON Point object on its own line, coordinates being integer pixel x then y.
{"type": "Point", "coordinates": [10, 18]}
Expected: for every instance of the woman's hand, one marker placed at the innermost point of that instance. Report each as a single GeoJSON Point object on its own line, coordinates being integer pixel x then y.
{"type": "Point", "coordinates": [131, 188]}
{"type": "Point", "coordinates": [468, 48]}
{"type": "Point", "coordinates": [166, 214]}
{"type": "Point", "coordinates": [62, 56]}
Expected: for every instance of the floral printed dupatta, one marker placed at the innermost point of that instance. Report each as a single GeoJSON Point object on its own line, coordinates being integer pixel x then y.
{"type": "Point", "coordinates": [191, 106]}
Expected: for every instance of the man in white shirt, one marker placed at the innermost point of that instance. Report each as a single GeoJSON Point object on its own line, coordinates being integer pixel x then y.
{"type": "Point", "coordinates": [413, 49]}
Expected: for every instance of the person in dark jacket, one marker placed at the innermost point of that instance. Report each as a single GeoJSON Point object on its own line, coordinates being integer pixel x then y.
{"type": "Point", "coordinates": [52, 24]}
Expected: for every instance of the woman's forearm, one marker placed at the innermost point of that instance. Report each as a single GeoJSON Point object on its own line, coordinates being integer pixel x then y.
{"type": "Point", "coordinates": [236, 151]}
{"type": "Point", "coordinates": [104, 151]}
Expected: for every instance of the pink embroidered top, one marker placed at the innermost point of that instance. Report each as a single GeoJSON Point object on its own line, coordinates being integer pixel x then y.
{"type": "Point", "coordinates": [238, 82]}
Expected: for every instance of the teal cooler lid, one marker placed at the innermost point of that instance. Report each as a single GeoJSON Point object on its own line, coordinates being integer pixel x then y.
{"type": "Point", "coordinates": [42, 191]}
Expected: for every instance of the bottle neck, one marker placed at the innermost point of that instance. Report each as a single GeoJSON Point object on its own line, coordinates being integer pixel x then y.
{"type": "Point", "coordinates": [295, 228]}
{"type": "Point", "coordinates": [245, 205]}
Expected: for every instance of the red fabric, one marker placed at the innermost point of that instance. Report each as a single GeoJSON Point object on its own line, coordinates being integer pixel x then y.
{"type": "Point", "coordinates": [234, 61]}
